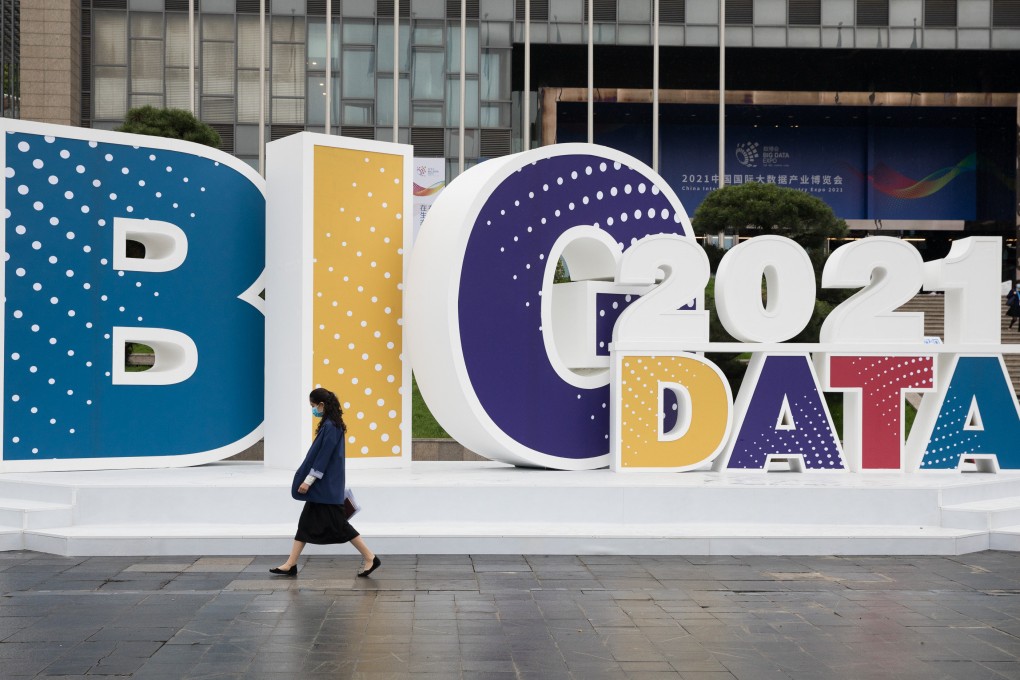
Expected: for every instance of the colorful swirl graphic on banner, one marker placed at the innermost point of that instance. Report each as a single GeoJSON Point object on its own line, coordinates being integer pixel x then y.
{"type": "Point", "coordinates": [893, 183]}
{"type": "Point", "coordinates": [419, 190]}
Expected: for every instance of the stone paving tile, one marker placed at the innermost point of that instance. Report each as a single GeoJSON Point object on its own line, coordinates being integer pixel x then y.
{"type": "Point", "coordinates": [499, 616]}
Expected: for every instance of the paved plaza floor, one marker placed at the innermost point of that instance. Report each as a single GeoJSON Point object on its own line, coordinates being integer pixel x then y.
{"type": "Point", "coordinates": [502, 617]}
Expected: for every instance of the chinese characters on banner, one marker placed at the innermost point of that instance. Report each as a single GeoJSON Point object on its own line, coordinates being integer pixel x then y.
{"type": "Point", "coordinates": [429, 180]}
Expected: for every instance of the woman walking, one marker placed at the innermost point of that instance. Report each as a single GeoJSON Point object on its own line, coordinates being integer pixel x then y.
{"type": "Point", "coordinates": [1013, 302]}
{"type": "Point", "coordinates": [320, 483]}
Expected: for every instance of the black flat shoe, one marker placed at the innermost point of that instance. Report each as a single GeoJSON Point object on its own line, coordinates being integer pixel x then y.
{"type": "Point", "coordinates": [284, 572]}
{"type": "Point", "coordinates": [376, 563]}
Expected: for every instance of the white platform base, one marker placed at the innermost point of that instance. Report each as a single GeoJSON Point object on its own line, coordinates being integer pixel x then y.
{"type": "Point", "coordinates": [470, 507]}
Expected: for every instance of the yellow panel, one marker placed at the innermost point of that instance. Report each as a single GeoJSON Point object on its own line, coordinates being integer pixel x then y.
{"type": "Point", "coordinates": [639, 411]}
{"type": "Point", "coordinates": [357, 274]}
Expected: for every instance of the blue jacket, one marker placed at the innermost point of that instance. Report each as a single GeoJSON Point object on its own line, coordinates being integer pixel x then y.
{"type": "Point", "coordinates": [324, 460]}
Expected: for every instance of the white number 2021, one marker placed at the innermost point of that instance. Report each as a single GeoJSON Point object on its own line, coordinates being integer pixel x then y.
{"type": "Point", "coordinates": [765, 291]}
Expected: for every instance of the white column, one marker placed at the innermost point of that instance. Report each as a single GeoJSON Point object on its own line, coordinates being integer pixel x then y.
{"type": "Point", "coordinates": [463, 82]}
{"type": "Point", "coordinates": [591, 71]}
{"type": "Point", "coordinates": [262, 87]}
{"type": "Point", "coordinates": [329, 61]}
{"type": "Point", "coordinates": [722, 93]}
{"type": "Point", "coordinates": [396, 69]}
{"type": "Point", "coordinates": [526, 115]}
{"type": "Point", "coordinates": [655, 85]}
{"type": "Point", "coordinates": [191, 56]}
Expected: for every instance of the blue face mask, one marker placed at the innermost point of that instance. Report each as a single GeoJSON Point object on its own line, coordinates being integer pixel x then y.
{"type": "Point", "coordinates": [316, 412]}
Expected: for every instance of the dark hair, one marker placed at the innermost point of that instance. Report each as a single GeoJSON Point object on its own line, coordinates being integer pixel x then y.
{"type": "Point", "coordinates": [333, 412]}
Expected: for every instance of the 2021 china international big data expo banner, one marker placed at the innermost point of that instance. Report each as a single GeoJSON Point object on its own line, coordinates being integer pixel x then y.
{"type": "Point", "coordinates": [861, 172]}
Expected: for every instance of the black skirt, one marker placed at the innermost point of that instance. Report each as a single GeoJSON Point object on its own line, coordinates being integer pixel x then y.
{"type": "Point", "coordinates": [323, 524]}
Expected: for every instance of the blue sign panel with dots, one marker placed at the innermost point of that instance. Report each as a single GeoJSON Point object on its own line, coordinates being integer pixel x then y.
{"type": "Point", "coordinates": [69, 300]}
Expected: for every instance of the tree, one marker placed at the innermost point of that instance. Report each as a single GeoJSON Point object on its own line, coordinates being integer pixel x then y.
{"type": "Point", "coordinates": [173, 123]}
{"type": "Point", "coordinates": [758, 209]}
{"type": "Point", "coordinates": [769, 209]}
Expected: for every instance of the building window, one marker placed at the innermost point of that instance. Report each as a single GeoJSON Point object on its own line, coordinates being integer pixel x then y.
{"type": "Point", "coordinates": [672, 11]}
{"type": "Point", "coordinates": [805, 12]}
{"type": "Point", "coordinates": [384, 48]}
{"type": "Point", "coordinates": [604, 10]}
{"type": "Point", "coordinates": [739, 12]}
{"type": "Point", "coordinates": [384, 101]}
{"type": "Point", "coordinates": [248, 55]}
{"type": "Point", "coordinates": [539, 10]}
{"type": "Point", "coordinates": [494, 84]}
{"type": "Point", "coordinates": [315, 65]}
{"type": "Point", "coordinates": [1006, 13]}
{"type": "Point", "coordinates": [872, 12]}
{"type": "Point", "coordinates": [940, 13]}
{"type": "Point", "coordinates": [358, 113]}
{"type": "Point", "coordinates": [453, 49]}
{"type": "Point", "coordinates": [288, 65]}
{"type": "Point", "coordinates": [470, 102]}
{"type": "Point", "coordinates": [110, 85]}
{"type": "Point", "coordinates": [358, 73]}
{"type": "Point", "coordinates": [10, 55]}
{"type": "Point", "coordinates": [176, 62]}
{"type": "Point", "coordinates": [218, 69]}
{"type": "Point", "coordinates": [428, 74]}
{"type": "Point", "coordinates": [146, 59]}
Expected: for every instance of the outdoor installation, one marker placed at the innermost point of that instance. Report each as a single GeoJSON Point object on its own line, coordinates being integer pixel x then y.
{"type": "Point", "coordinates": [72, 300]}
{"type": "Point", "coordinates": [340, 218]}
{"type": "Point", "coordinates": [604, 371]}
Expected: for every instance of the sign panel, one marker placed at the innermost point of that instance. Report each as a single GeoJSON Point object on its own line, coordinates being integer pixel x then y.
{"type": "Point", "coordinates": [112, 239]}
{"type": "Point", "coordinates": [72, 199]}
{"type": "Point", "coordinates": [429, 180]}
{"type": "Point", "coordinates": [339, 219]}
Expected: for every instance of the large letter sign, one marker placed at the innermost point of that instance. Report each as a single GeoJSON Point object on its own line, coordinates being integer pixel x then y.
{"type": "Point", "coordinates": [611, 369]}
{"type": "Point", "coordinates": [782, 414]}
{"type": "Point", "coordinates": [974, 416]}
{"type": "Point", "coordinates": [480, 297]}
{"type": "Point", "coordinates": [339, 219]}
{"type": "Point", "coordinates": [515, 368]}
{"type": "Point", "coordinates": [72, 199]}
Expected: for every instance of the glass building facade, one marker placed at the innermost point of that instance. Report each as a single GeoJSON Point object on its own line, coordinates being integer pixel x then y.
{"type": "Point", "coordinates": [135, 52]}
{"type": "Point", "coordinates": [10, 53]}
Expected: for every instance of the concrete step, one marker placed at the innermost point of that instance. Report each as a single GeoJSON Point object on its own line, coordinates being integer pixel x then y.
{"type": "Point", "coordinates": [516, 538]}
{"type": "Point", "coordinates": [538, 497]}
{"type": "Point", "coordinates": [245, 508]}
{"type": "Point", "coordinates": [1000, 487]}
{"type": "Point", "coordinates": [1005, 538]}
{"type": "Point", "coordinates": [988, 514]}
{"type": "Point", "coordinates": [38, 488]}
{"type": "Point", "coordinates": [31, 514]}
{"type": "Point", "coordinates": [11, 538]}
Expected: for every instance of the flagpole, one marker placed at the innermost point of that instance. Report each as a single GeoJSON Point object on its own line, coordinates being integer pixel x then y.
{"type": "Point", "coordinates": [329, 62]}
{"type": "Point", "coordinates": [655, 86]}
{"type": "Point", "coordinates": [262, 87]}
{"type": "Point", "coordinates": [396, 69]}
{"type": "Point", "coordinates": [722, 93]}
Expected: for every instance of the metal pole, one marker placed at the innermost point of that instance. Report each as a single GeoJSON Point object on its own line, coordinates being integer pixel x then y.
{"type": "Point", "coordinates": [191, 56]}
{"type": "Point", "coordinates": [722, 93]}
{"type": "Point", "coordinates": [329, 62]}
{"type": "Point", "coordinates": [262, 87]}
{"type": "Point", "coordinates": [591, 72]}
{"type": "Point", "coordinates": [655, 85]}
{"type": "Point", "coordinates": [463, 83]}
{"type": "Point", "coordinates": [396, 69]}
{"type": "Point", "coordinates": [526, 122]}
